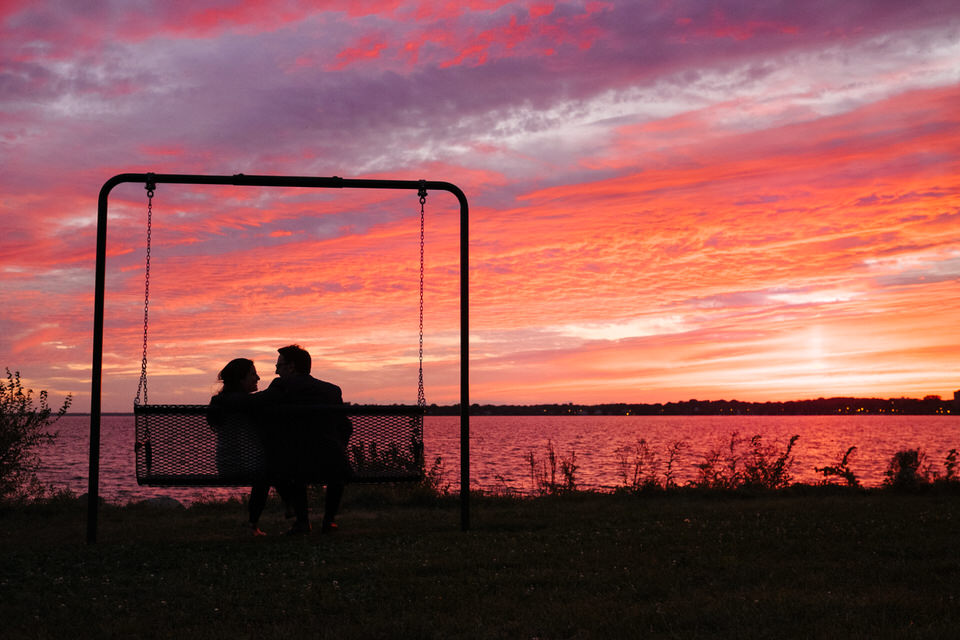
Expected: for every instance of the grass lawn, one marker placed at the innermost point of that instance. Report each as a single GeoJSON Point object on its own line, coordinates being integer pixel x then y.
{"type": "Point", "coordinates": [791, 564]}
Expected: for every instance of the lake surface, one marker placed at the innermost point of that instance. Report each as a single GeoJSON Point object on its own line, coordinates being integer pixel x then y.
{"type": "Point", "coordinates": [501, 446]}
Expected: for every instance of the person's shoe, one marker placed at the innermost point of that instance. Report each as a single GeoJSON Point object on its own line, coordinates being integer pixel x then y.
{"type": "Point", "coordinates": [299, 529]}
{"type": "Point", "coordinates": [256, 531]}
{"type": "Point", "coordinates": [328, 527]}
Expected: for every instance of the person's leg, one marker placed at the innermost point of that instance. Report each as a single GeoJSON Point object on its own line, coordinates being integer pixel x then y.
{"type": "Point", "coordinates": [298, 499]}
{"type": "Point", "coordinates": [258, 500]}
{"type": "Point", "coordinates": [332, 506]}
{"type": "Point", "coordinates": [340, 472]}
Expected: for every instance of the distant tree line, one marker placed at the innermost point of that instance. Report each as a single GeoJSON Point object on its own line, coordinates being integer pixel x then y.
{"type": "Point", "coordinates": [929, 405]}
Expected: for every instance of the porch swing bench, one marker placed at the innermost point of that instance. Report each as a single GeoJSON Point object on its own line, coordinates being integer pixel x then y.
{"type": "Point", "coordinates": [177, 446]}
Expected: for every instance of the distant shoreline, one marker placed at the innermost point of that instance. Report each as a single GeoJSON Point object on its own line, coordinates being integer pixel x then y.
{"type": "Point", "coordinates": [930, 405]}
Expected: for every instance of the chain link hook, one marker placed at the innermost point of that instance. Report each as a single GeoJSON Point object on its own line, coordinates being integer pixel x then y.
{"type": "Point", "coordinates": [150, 186]}
{"type": "Point", "coordinates": [421, 397]}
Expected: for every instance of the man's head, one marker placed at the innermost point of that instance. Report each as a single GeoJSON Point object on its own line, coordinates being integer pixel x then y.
{"type": "Point", "coordinates": [293, 360]}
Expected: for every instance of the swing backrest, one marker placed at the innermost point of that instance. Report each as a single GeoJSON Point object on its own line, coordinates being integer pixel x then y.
{"type": "Point", "coordinates": [176, 445]}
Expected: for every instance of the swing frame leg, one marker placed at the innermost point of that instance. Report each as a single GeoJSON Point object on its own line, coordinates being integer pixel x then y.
{"type": "Point", "coordinates": [93, 491]}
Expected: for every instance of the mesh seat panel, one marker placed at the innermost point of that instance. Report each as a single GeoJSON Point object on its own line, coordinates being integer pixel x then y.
{"type": "Point", "coordinates": [176, 446]}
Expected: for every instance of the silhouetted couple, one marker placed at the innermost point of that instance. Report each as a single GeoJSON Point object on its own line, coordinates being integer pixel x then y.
{"type": "Point", "coordinates": [303, 437]}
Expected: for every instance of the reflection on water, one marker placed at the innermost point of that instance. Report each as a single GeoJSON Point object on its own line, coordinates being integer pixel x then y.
{"type": "Point", "coordinates": [500, 445]}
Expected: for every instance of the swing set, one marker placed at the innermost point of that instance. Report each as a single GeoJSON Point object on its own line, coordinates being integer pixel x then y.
{"type": "Point", "coordinates": [175, 444]}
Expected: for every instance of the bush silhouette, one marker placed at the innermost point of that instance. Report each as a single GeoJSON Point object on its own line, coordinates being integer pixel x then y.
{"type": "Point", "coordinates": [907, 471]}
{"type": "Point", "coordinates": [23, 428]}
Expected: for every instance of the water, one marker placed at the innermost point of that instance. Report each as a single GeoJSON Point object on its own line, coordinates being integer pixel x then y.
{"type": "Point", "coordinates": [500, 446]}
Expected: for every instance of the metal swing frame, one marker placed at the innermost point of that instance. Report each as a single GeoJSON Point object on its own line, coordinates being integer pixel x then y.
{"type": "Point", "coordinates": [93, 497]}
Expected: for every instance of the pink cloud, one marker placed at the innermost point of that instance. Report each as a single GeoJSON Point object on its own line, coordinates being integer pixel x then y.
{"type": "Point", "coordinates": [719, 25]}
{"type": "Point", "coordinates": [539, 10]}
{"type": "Point", "coordinates": [478, 46]}
{"type": "Point", "coordinates": [367, 48]}
{"type": "Point", "coordinates": [453, 37]}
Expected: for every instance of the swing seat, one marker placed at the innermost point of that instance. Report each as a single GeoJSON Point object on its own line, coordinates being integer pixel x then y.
{"type": "Point", "coordinates": [177, 446]}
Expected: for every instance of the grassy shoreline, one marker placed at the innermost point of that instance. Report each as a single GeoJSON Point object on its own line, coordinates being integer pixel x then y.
{"type": "Point", "coordinates": [803, 563]}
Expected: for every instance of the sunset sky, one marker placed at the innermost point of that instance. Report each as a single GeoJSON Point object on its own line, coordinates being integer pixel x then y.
{"type": "Point", "coordinates": [669, 200]}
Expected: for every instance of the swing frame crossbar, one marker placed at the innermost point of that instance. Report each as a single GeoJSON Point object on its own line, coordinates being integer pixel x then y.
{"type": "Point", "coordinates": [93, 495]}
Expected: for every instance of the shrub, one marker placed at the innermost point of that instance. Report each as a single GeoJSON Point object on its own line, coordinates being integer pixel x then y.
{"type": "Point", "coordinates": [766, 466]}
{"type": "Point", "coordinates": [907, 470]}
{"type": "Point", "coordinates": [720, 468]}
{"type": "Point", "coordinates": [761, 466]}
{"type": "Point", "coordinates": [23, 427]}
{"type": "Point", "coordinates": [840, 470]}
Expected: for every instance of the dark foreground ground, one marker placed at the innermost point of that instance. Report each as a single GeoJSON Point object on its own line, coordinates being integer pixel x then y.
{"type": "Point", "coordinates": [797, 564]}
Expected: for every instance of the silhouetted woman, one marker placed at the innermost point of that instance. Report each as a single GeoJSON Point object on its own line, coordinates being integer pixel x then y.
{"type": "Point", "coordinates": [241, 446]}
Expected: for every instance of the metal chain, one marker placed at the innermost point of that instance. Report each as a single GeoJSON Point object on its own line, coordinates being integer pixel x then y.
{"type": "Point", "coordinates": [142, 386]}
{"type": "Point", "coordinates": [421, 397]}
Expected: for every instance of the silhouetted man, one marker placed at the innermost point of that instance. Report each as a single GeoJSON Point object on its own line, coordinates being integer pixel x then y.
{"type": "Point", "coordinates": [315, 440]}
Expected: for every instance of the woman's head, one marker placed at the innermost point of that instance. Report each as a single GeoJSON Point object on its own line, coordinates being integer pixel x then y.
{"type": "Point", "coordinates": [239, 375]}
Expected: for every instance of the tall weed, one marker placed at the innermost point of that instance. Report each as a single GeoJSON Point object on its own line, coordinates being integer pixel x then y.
{"type": "Point", "coordinates": [840, 470]}
{"type": "Point", "coordinates": [746, 463]}
{"type": "Point", "coordinates": [721, 466]}
{"type": "Point", "coordinates": [767, 467]}
{"type": "Point", "coordinates": [639, 466]}
{"type": "Point", "coordinates": [674, 451]}
{"type": "Point", "coordinates": [950, 465]}
{"type": "Point", "coordinates": [435, 479]}
{"type": "Point", "coordinates": [554, 475]}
